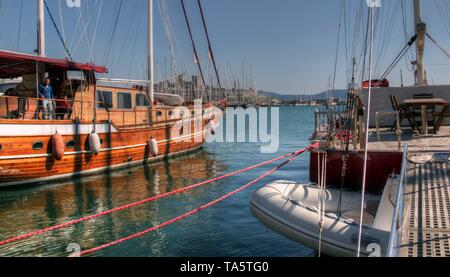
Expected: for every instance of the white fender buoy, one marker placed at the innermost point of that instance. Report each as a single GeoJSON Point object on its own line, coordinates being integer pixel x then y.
{"type": "Point", "coordinates": [212, 128]}
{"type": "Point", "coordinates": [58, 147]}
{"type": "Point", "coordinates": [94, 143]}
{"type": "Point", "coordinates": [153, 146]}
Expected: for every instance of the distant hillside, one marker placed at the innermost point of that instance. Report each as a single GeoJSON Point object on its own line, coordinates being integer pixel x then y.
{"type": "Point", "coordinates": [340, 94]}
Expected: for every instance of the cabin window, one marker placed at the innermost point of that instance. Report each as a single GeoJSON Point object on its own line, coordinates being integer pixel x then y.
{"type": "Point", "coordinates": [70, 144]}
{"type": "Point", "coordinates": [159, 113]}
{"type": "Point", "coordinates": [124, 101]}
{"type": "Point", "coordinates": [142, 100]}
{"type": "Point", "coordinates": [104, 99]}
{"type": "Point", "coordinates": [38, 145]}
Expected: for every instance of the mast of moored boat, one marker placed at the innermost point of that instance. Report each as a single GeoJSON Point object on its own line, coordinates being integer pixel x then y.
{"type": "Point", "coordinates": [421, 31]}
{"type": "Point", "coordinates": [40, 51]}
{"type": "Point", "coordinates": [150, 87]}
{"type": "Point", "coordinates": [40, 29]}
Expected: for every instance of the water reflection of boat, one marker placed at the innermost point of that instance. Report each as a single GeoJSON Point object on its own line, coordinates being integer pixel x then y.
{"type": "Point", "coordinates": [50, 204]}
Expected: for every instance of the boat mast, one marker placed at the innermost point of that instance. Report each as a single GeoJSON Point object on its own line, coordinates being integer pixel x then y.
{"type": "Point", "coordinates": [421, 31]}
{"type": "Point", "coordinates": [41, 29]}
{"type": "Point", "coordinates": [151, 88]}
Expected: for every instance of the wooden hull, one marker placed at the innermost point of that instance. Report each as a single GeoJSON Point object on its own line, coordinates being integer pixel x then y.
{"type": "Point", "coordinates": [20, 164]}
{"type": "Point", "coordinates": [380, 166]}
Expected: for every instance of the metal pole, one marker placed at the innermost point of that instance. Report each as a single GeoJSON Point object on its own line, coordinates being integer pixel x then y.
{"type": "Point", "coordinates": [41, 29]}
{"type": "Point", "coordinates": [150, 51]}
{"type": "Point", "coordinates": [421, 31]}
{"type": "Point", "coordinates": [150, 86]}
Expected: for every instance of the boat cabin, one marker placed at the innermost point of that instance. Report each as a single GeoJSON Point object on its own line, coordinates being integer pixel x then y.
{"type": "Point", "coordinates": [77, 93]}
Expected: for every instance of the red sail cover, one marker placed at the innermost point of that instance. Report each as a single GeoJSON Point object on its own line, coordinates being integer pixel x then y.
{"type": "Point", "coordinates": [376, 84]}
{"type": "Point", "coordinates": [13, 65]}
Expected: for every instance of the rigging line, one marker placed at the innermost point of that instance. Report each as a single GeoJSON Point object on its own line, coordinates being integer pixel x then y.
{"type": "Point", "coordinates": [345, 39]}
{"type": "Point", "coordinates": [209, 44]}
{"type": "Point", "coordinates": [72, 40]}
{"type": "Point", "coordinates": [133, 51]}
{"type": "Point", "coordinates": [164, 15]}
{"type": "Point", "coordinates": [408, 65]}
{"type": "Point", "coordinates": [389, 31]}
{"type": "Point", "coordinates": [19, 33]}
{"type": "Point", "coordinates": [197, 60]}
{"type": "Point", "coordinates": [96, 28]}
{"type": "Point", "coordinates": [369, 23]}
{"type": "Point", "coordinates": [85, 34]}
{"type": "Point", "coordinates": [61, 20]}
{"type": "Point", "coordinates": [366, 152]}
{"type": "Point", "coordinates": [399, 57]}
{"type": "Point", "coordinates": [441, 11]}
{"type": "Point", "coordinates": [113, 32]}
{"type": "Point", "coordinates": [163, 10]}
{"type": "Point", "coordinates": [125, 40]}
{"type": "Point", "coordinates": [57, 30]}
{"type": "Point", "coordinates": [337, 51]}
{"type": "Point", "coordinates": [351, 102]}
{"type": "Point", "coordinates": [84, 30]}
{"type": "Point", "coordinates": [438, 45]}
{"type": "Point", "coordinates": [177, 44]}
{"type": "Point", "coordinates": [357, 31]}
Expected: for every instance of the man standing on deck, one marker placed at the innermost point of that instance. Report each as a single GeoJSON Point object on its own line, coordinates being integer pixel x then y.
{"type": "Point", "coordinates": [46, 93]}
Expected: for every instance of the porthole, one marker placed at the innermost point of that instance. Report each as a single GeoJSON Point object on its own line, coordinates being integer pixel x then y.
{"type": "Point", "coordinates": [170, 113]}
{"type": "Point", "coordinates": [70, 144]}
{"type": "Point", "coordinates": [101, 141]}
{"type": "Point", "coordinates": [182, 131]}
{"type": "Point", "coordinates": [38, 145]}
{"type": "Point", "coordinates": [193, 112]}
{"type": "Point", "coordinates": [159, 114]}
{"type": "Point", "coordinates": [1, 147]}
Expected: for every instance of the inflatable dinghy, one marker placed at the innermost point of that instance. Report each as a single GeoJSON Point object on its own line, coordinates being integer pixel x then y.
{"type": "Point", "coordinates": [291, 209]}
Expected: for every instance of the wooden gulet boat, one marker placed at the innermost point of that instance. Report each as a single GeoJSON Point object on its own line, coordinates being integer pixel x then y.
{"type": "Point", "coordinates": [95, 127]}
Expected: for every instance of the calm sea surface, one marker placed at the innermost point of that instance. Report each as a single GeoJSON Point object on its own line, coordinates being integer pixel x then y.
{"type": "Point", "coordinates": [227, 229]}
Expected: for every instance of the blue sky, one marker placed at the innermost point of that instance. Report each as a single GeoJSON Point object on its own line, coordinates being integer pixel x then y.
{"type": "Point", "coordinates": [290, 44]}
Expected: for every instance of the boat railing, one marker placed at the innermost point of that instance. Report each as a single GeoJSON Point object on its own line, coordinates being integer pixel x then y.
{"type": "Point", "coordinates": [393, 249]}
{"type": "Point", "coordinates": [326, 122]}
{"type": "Point", "coordinates": [29, 108]}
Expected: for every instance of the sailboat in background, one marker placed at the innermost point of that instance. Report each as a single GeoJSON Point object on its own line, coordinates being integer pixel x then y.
{"type": "Point", "coordinates": [94, 128]}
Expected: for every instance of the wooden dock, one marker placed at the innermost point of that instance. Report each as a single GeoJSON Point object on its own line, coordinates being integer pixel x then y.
{"type": "Point", "coordinates": [426, 220]}
{"type": "Point", "coordinates": [426, 228]}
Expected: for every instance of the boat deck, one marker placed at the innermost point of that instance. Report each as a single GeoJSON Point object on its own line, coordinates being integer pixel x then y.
{"type": "Point", "coordinates": [389, 143]}
{"type": "Point", "coordinates": [426, 227]}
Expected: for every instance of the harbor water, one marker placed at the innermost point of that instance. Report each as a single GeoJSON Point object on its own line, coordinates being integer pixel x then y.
{"type": "Point", "coordinates": [227, 229]}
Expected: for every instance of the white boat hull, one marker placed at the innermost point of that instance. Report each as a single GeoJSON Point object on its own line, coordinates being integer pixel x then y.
{"type": "Point", "coordinates": [291, 210]}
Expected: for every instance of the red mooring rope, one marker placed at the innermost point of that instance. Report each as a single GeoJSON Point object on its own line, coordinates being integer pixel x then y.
{"type": "Point", "coordinates": [151, 199]}
{"type": "Point", "coordinates": [193, 212]}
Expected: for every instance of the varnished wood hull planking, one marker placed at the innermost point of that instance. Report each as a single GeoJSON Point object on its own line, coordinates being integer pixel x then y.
{"type": "Point", "coordinates": [20, 164]}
